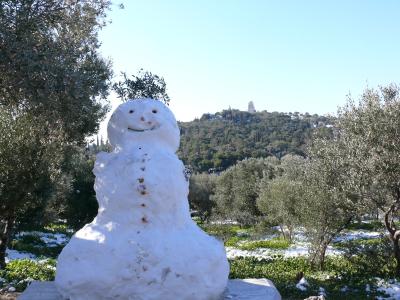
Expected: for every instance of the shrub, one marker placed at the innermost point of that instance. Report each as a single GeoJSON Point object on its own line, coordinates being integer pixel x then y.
{"type": "Point", "coordinates": [21, 272]}
{"type": "Point", "coordinates": [370, 255]}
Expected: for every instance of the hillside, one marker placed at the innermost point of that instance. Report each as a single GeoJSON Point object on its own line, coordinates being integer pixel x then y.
{"type": "Point", "coordinates": [217, 141]}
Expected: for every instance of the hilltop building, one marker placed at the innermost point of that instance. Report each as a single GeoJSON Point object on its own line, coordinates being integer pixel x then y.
{"type": "Point", "coordinates": [251, 108]}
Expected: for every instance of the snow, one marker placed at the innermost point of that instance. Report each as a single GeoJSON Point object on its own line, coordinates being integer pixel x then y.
{"type": "Point", "coordinates": [296, 249]}
{"type": "Point", "coordinates": [358, 234]}
{"type": "Point", "coordinates": [302, 285]}
{"type": "Point", "coordinates": [390, 288]}
{"type": "Point", "coordinates": [344, 289]}
{"type": "Point", "coordinates": [321, 291]}
{"type": "Point", "coordinates": [143, 243]}
{"type": "Point", "coordinates": [14, 254]}
{"type": "Point", "coordinates": [224, 222]}
{"type": "Point", "coordinates": [300, 246]}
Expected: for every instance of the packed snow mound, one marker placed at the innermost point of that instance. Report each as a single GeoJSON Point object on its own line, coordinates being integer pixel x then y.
{"type": "Point", "coordinates": [143, 244]}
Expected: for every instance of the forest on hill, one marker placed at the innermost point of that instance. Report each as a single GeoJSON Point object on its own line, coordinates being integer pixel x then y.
{"type": "Point", "coordinates": [217, 141]}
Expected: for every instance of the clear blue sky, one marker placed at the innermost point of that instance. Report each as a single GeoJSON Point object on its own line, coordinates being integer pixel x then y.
{"type": "Point", "coordinates": [285, 56]}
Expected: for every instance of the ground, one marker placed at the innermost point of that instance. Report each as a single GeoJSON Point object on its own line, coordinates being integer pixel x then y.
{"type": "Point", "coordinates": [356, 266]}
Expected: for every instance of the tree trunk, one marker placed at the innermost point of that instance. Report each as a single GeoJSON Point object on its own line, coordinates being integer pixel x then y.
{"type": "Point", "coordinates": [394, 234]}
{"type": "Point", "coordinates": [5, 233]}
{"type": "Point", "coordinates": [396, 251]}
{"type": "Point", "coordinates": [317, 258]}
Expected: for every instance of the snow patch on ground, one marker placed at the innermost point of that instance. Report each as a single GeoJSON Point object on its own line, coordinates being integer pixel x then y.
{"type": "Point", "coordinates": [300, 246]}
{"type": "Point", "coordinates": [50, 239]}
{"type": "Point", "coordinates": [390, 288]}
{"type": "Point", "coordinates": [302, 285]}
{"type": "Point", "coordinates": [321, 291]}
{"type": "Point", "coordinates": [224, 222]}
{"type": "Point", "coordinates": [14, 254]}
{"type": "Point", "coordinates": [358, 234]}
{"type": "Point", "coordinates": [296, 249]}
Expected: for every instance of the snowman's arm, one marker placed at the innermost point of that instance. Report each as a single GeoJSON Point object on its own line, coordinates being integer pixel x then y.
{"type": "Point", "coordinates": [102, 160]}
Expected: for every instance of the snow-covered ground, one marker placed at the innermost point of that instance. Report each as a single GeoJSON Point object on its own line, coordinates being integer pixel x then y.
{"type": "Point", "coordinates": [50, 239]}
{"type": "Point", "coordinates": [296, 249]}
{"type": "Point", "coordinates": [14, 254]}
{"type": "Point", "coordinates": [358, 234]}
{"type": "Point", "coordinates": [390, 288]}
{"type": "Point", "coordinates": [299, 248]}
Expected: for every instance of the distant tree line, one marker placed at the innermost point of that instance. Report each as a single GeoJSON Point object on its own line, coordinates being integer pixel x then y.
{"type": "Point", "coordinates": [217, 141]}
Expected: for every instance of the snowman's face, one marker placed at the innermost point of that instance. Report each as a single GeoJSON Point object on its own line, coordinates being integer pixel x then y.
{"type": "Point", "coordinates": [143, 121]}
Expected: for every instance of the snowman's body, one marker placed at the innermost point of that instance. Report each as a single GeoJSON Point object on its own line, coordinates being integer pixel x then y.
{"type": "Point", "coordinates": [143, 244]}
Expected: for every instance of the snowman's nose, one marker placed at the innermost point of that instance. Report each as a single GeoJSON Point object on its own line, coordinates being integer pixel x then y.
{"type": "Point", "coordinates": [142, 119]}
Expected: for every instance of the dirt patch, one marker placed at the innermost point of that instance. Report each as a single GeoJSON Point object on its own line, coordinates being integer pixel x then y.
{"type": "Point", "coordinates": [9, 296]}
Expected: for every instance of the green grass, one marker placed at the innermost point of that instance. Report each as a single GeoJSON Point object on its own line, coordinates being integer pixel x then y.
{"type": "Point", "coordinates": [338, 273]}
{"type": "Point", "coordinates": [275, 243]}
{"type": "Point", "coordinates": [58, 228]}
{"type": "Point", "coordinates": [234, 241]}
{"type": "Point", "coordinates": [225, 232]}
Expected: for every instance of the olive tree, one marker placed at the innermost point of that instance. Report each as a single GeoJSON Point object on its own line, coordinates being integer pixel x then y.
{"type": "Point", "coordinates": [52, 83]}
{"type": "Point", "coordinates": [280, 199]}
{"type": "Point", "coordinates": [372, 125]}
{"type": "Point", "coordinates": [236, 190]}
{"type": "Point", "coordinates": [201, 190]}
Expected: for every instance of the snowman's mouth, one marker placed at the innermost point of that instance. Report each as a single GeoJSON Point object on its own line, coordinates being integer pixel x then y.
{"type": "Point", "coordinates": [142, 130]}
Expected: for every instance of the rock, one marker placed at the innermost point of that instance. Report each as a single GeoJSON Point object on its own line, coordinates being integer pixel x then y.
{"type": "Point", "coordinates": [41, 290]}
{"type": "Point", "coordinates": [251, 289]}
{"type": "Point", "coordinates": [237, 289]}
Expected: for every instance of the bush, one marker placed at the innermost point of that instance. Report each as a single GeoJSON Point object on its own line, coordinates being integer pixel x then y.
{"type": "Point", "coordinates": [21, 272]}
{"type": "Point", "coordinates": [372, 256]}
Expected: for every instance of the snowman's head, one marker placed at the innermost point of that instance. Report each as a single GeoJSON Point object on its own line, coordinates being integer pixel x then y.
{"type": "Point", "coordinates": [143, 121]}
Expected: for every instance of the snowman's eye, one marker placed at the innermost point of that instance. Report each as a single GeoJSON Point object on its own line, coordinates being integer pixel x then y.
{"type": "Point", "coordinates": [154, 111]}
{"type": "Point", "coordinates": [131, 111]}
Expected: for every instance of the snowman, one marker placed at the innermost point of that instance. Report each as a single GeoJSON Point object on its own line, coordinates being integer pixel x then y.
{"type": "Point", "coordinates": [143, 244]}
